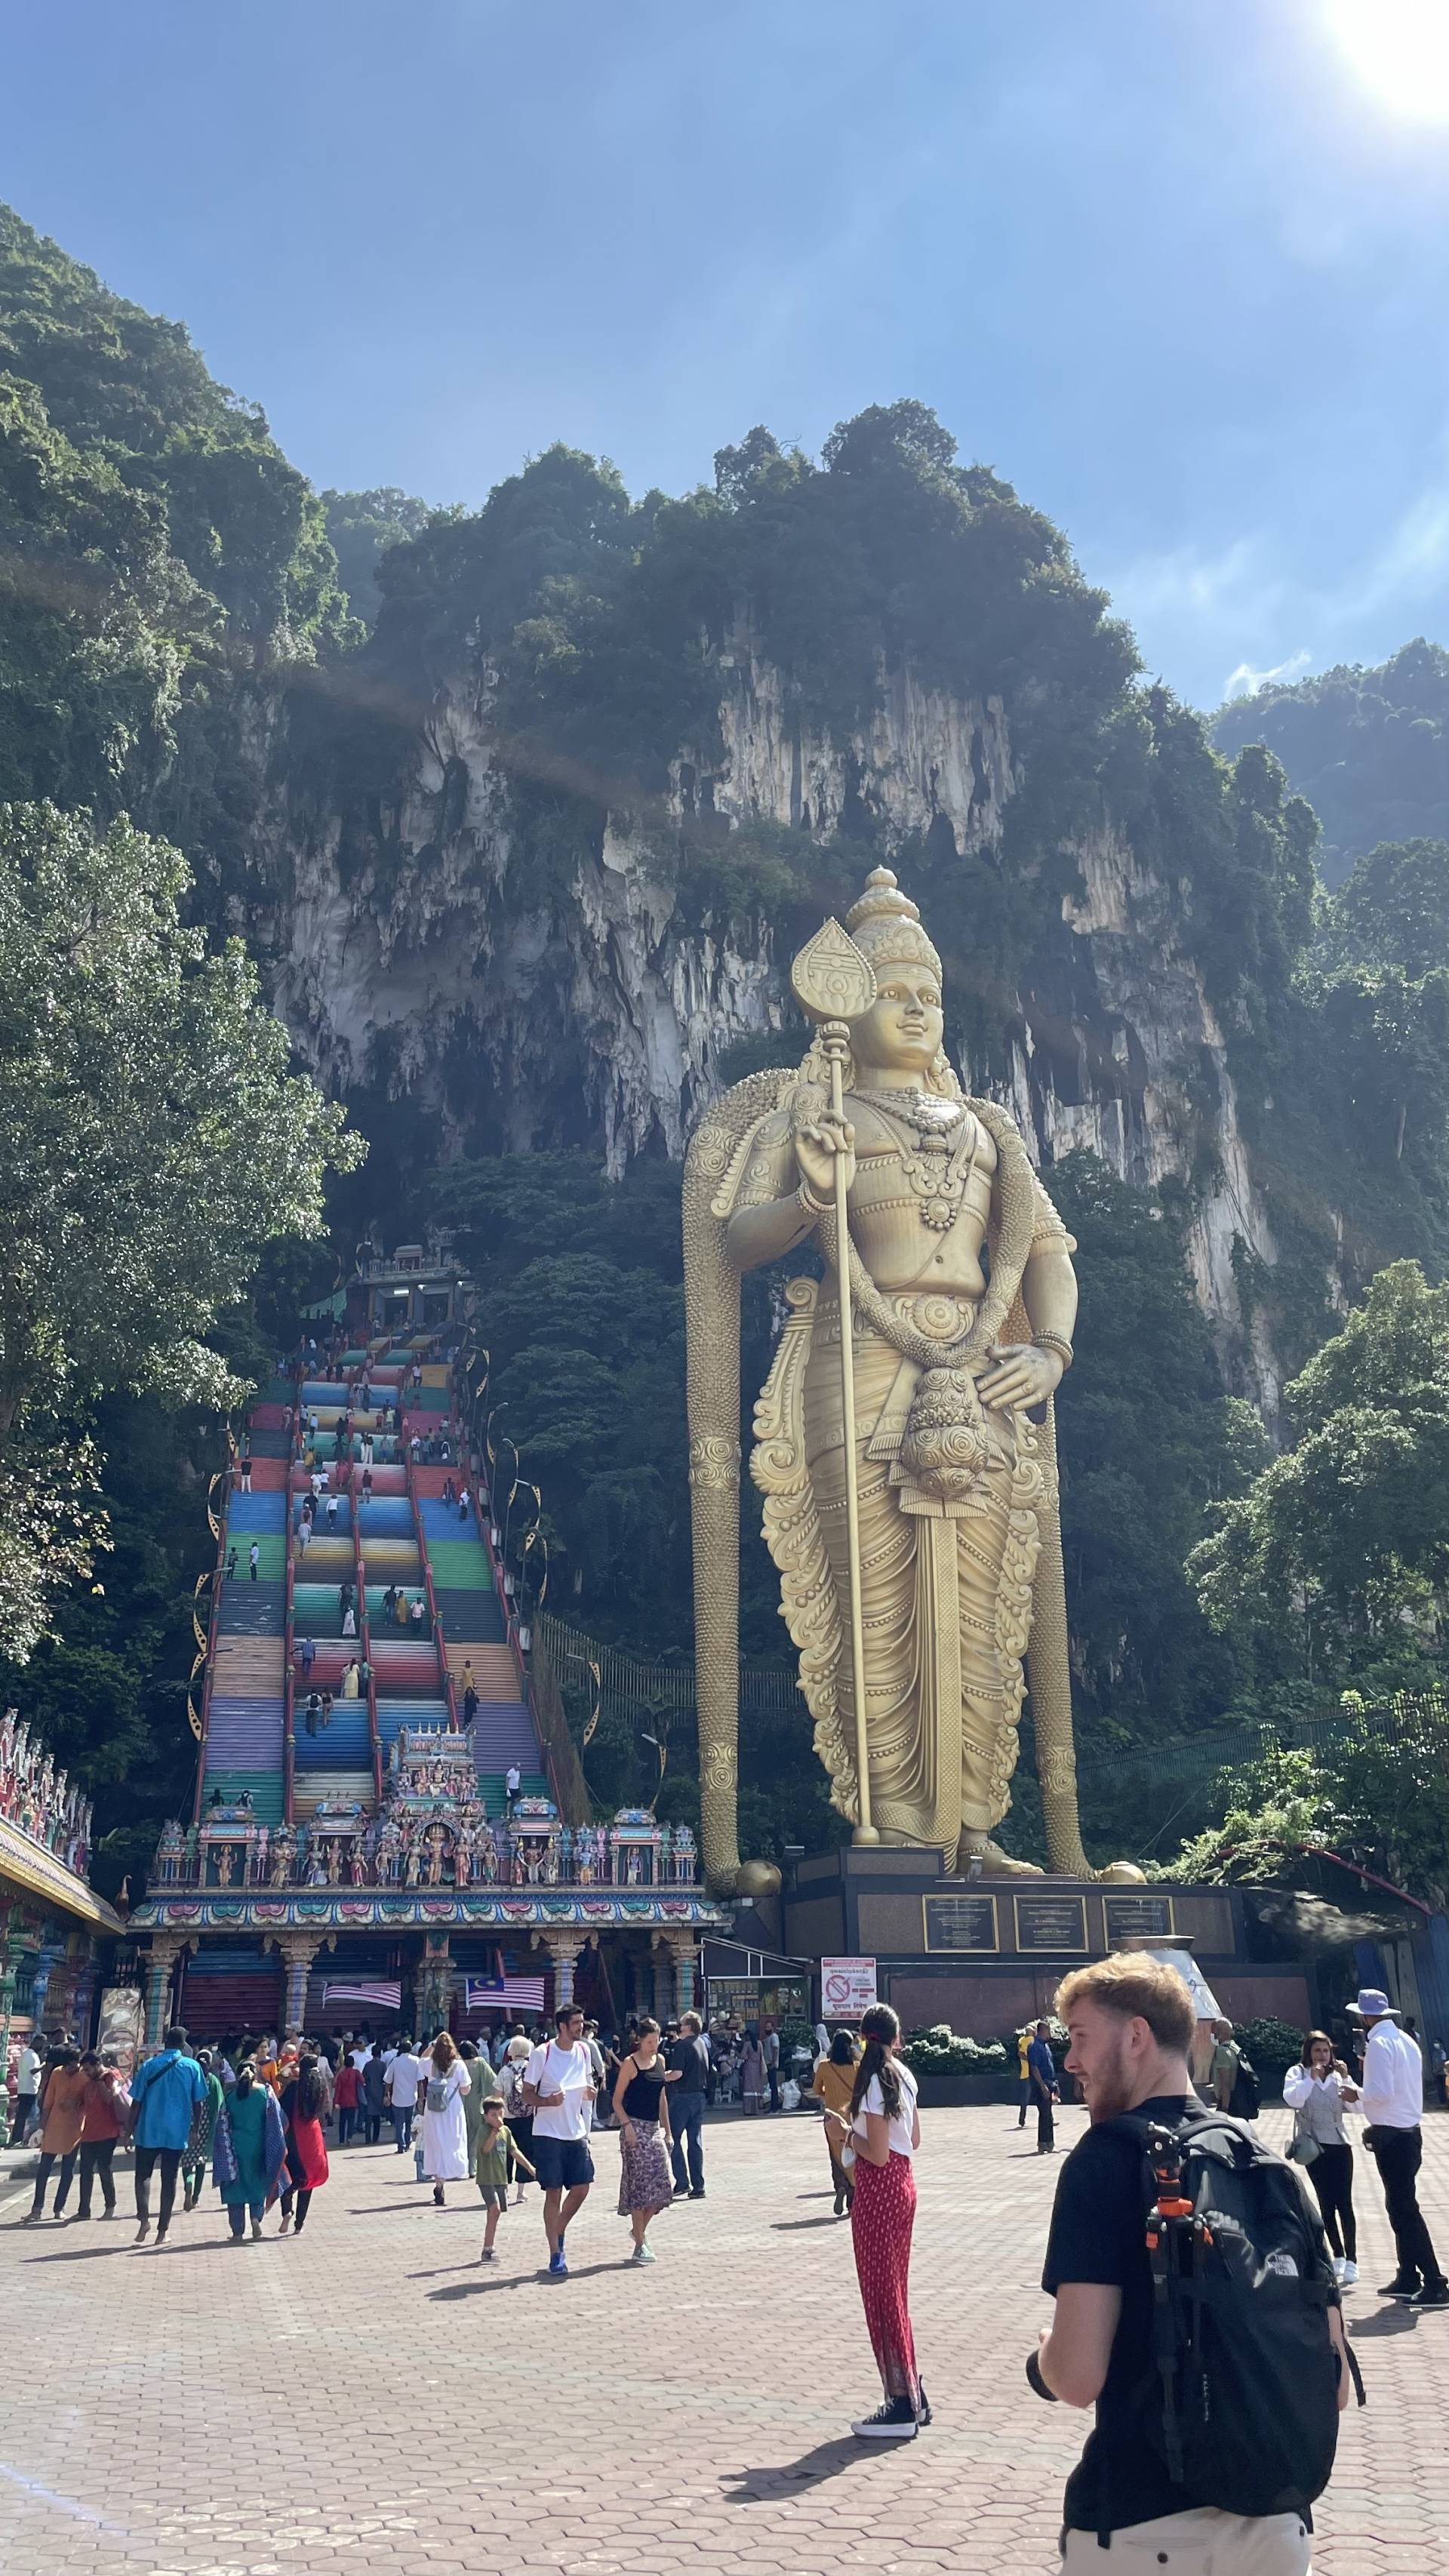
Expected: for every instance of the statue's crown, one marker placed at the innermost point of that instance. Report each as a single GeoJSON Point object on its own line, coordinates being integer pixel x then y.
{"type": "Point", "coordinates": [886, 924]}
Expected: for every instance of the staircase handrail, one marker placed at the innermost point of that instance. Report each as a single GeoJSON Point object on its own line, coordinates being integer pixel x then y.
{"type": "Point", "coordinates": [218, 1582]}
{"type": "Point", "coordinates": [364, 1637]}
{"type": "Point", "coordinates": [440, 1645]}
{"type": "Point", "coordinates": [289, 1693]}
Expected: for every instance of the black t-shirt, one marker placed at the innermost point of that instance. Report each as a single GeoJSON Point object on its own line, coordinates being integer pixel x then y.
{"type": "Point", "coordinates": [689, 2060]}
{"type": "Point", "coordinates": [1098, 2233]}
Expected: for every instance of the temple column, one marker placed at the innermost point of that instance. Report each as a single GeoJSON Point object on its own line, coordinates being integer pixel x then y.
{"type": "Point", "coordinates": [435, 1986]}
{"type": "Point", "coordinates": [166, 1949]}
{"type": "Point", "coordinates": [563, 1949]}
{"type": "Point", "coordinates": [674, 1958]}
{"type": "Point", "coordinates": [44, 1969]}
{"type": "Point", "coordinates": [14, 1952]}
{"type": "Point", "coordinates": [297, 1950]}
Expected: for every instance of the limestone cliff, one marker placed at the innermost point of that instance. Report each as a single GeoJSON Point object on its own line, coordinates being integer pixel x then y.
{"type": "Point", "coordinates": [423, 951]}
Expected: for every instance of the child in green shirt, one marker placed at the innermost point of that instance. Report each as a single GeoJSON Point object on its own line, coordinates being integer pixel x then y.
{"type": "Point", "coordinates": [498, 2158]}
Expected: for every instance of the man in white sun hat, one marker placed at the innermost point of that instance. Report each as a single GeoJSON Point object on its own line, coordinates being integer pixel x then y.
{"type": "Point", "coordinates": [1392, 2100]}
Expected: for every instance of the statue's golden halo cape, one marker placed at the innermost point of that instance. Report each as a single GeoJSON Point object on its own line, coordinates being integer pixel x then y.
{"type": "Point", "coordinates": [886, 927]}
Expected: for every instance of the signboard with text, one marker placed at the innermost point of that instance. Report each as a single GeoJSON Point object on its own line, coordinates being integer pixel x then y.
{"type": "Point", "coordinates": [847, 1988]}
{"type": "Point", "coordinates": [960, 1922]}
{"type": "Point", "coordinates": [771, 1999]}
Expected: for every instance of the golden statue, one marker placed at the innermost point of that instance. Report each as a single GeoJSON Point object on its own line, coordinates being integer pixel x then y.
{"type": "Point", "coordinates": [921, 1560]}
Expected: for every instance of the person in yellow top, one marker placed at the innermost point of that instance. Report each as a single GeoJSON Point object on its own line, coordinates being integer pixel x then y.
{"type": "Point", "coordinates": [834, 2085]}
{"type": "Point", "coordinates": [1023, 2074]}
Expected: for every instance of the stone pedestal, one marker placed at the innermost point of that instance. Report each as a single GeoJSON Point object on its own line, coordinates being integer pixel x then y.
{"type": "Point", "coordinates": [987, 1954]}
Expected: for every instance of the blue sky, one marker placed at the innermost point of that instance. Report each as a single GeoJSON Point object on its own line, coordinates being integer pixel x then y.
{"type": "Point", "coordinates": [1177, 268]}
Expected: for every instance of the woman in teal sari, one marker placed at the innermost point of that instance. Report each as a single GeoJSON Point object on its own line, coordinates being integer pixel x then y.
{"type": "Point", "coordinates": [250, 2151]}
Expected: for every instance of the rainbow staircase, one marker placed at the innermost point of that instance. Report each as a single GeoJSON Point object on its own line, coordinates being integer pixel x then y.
{"type": "Point", "coordinates": [392, 1582]}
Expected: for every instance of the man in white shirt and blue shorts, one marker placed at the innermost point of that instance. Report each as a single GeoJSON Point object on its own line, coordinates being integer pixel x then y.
{"type": "Point", "coordinates": [558, 2088]}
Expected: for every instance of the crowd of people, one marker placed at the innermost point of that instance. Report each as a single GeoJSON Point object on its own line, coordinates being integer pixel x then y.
{"type": "Point", "coordinates": [255, 2111]}
{"type": "Point", "coordinates": [1206, 2454]}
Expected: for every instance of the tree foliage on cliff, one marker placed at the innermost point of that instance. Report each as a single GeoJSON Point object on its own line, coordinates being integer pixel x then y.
{"type": "Point", "coordinates": [1334, 1564]}
{"type": "Point", "coordinates": [360, 525]}
{"type": "Point", "coordinates": [154, 1141]}
{"type": "Point", "coordinates": [1368, 748]}
{"type": "Point", "coordinates": [155, 548]}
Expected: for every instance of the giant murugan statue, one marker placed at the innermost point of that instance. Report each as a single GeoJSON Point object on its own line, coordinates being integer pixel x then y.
{"type": "Point", "coordinates": [909, 1472]}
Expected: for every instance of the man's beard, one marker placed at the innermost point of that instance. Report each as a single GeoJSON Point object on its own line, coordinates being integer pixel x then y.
{"type": "Point", "coordinates": [1111, 2087]}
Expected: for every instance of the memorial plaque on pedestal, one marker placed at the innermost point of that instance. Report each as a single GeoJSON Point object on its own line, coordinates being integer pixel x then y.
{"type": "Point", "coordinates": [1051, 1923]}
{"type": "Point", "coordinates": [1133, 1920]}
{"type": "Point", "coordinates": [960, 1923]}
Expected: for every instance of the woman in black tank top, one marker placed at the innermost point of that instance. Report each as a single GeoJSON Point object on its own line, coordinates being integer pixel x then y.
{"type": "Point", "coordinates": [641, 2104]}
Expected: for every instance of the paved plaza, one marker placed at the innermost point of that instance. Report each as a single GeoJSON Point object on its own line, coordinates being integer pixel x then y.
{"type": "Point", "coordinates": [370, 2399]}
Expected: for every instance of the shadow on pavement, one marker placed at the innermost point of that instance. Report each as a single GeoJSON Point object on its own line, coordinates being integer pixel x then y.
{"type": "Point", "coordinates": [490, 2280]}
{"type": "Point", "coordinates": [827, 2460]}
{"type": "Point", "coordinates": [1394, 2319]}
{"type": "Point", "coordinates": [784, 2226]}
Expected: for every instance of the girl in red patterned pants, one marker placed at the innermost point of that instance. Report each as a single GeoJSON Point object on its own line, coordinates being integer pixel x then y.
{"type": "Point", "coordinates": [884, 2131]}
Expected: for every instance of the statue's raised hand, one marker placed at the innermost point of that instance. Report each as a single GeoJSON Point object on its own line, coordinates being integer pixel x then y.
{"type": "Point", "coordinates": [1022, 1375]}
{"type": "Point", "coordinates": [820, 1144]}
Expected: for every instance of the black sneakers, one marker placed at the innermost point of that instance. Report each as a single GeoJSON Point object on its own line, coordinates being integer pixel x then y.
{"type": "Point", "coordinates": [895, 2421]}
{"type": "Point", "coordinates": [1436, 2295]}
{"type": "Point", "coordinates": [1397, 2289]}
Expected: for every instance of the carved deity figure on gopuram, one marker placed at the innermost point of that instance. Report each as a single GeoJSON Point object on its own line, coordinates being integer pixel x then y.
{"type": "Point", "coordinates": [920, 1560]}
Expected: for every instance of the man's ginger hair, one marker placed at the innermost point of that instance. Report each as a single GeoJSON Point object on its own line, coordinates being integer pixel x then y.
{"type": "Point", "coordinates": [1137, 1987]}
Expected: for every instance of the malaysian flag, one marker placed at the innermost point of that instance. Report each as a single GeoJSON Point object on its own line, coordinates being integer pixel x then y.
{"type": "Point", "coordinates": [479, 1993]}
{"type": "Point", "coordinates": [385, 1992]}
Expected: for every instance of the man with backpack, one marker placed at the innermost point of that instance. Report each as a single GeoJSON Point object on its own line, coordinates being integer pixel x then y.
{"type": "Point", "coordinates": [1196, 2307]}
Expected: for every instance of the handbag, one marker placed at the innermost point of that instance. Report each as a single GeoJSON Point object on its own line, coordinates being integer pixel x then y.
{"type": "Point", "coordinates": [1303, 2149]}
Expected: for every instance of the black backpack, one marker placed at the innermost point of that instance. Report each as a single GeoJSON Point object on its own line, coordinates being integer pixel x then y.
{"type": "Point", "coordinates": [1241, 2289]}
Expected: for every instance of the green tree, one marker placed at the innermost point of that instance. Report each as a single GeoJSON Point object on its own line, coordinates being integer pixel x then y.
{"type": "Point", "coordinates": [1372, 1793]}
{"type": "Point", "coordinates": [154, 1141]}
{"type": "Point", "coordinates": [360, 526]}
{"type": "Point", "coordinates": [1334, 1562]}
{"type": "Point", "coordinates": [1393, 911]}
{"type": "Point", "coordinates": [1146, 1441]}
{"type": "Point", "coordinates": [1368, 748]}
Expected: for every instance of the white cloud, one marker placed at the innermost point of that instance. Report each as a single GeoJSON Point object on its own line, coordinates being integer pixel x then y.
{"type": "Point", "coordinates": [1245, 682]}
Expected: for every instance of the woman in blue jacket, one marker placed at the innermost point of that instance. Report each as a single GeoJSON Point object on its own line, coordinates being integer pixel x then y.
{"type": "Point", "coordinates": [165, 2091]}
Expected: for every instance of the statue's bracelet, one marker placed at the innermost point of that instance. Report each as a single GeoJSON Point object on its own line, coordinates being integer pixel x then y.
{"type": "Point", "coordinates": [1054, 1342]}
{"type": "Point", "coordinates": [809, 1204]}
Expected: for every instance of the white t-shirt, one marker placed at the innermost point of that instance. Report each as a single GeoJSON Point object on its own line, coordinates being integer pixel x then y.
{"type": "Point", "coordinates": [904, 2120]}
{"type": "Point", "coordinates": [28, 2070]}
{"type": "Point", "coordinates": [406, 2075]}
{"type": "Point", "coordinates": [1392, 2093]}
{"type": "Point", "coordinates": [555, 2069]}
{"type": "Point", "coordinates": [360, 2057]}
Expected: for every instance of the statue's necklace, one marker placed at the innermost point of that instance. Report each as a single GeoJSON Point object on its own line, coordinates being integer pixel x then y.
{"type": "Point", "coordinates": [938, 1166]}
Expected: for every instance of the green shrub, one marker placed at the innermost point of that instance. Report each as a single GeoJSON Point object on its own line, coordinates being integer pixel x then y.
{"type": "Point", "coordinates": [1267, 2042]}
{"type": "Point", "coordinates": [942, 2051]}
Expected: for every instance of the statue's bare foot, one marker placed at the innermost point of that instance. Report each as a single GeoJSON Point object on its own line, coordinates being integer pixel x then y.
{"type": "Point", "coordinates": [978, 1851]}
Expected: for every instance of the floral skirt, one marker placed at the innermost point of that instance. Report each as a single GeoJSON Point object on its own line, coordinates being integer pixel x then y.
{"type": "Point", "coordinates": [645, 2178]}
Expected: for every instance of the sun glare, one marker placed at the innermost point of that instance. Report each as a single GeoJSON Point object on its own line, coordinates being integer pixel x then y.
{"type": "Point", "coordinates": [1400, 50]}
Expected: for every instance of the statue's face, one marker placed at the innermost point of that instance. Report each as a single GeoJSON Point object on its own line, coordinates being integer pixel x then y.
{"type": "Point", "coordinates": [902, 1030]}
